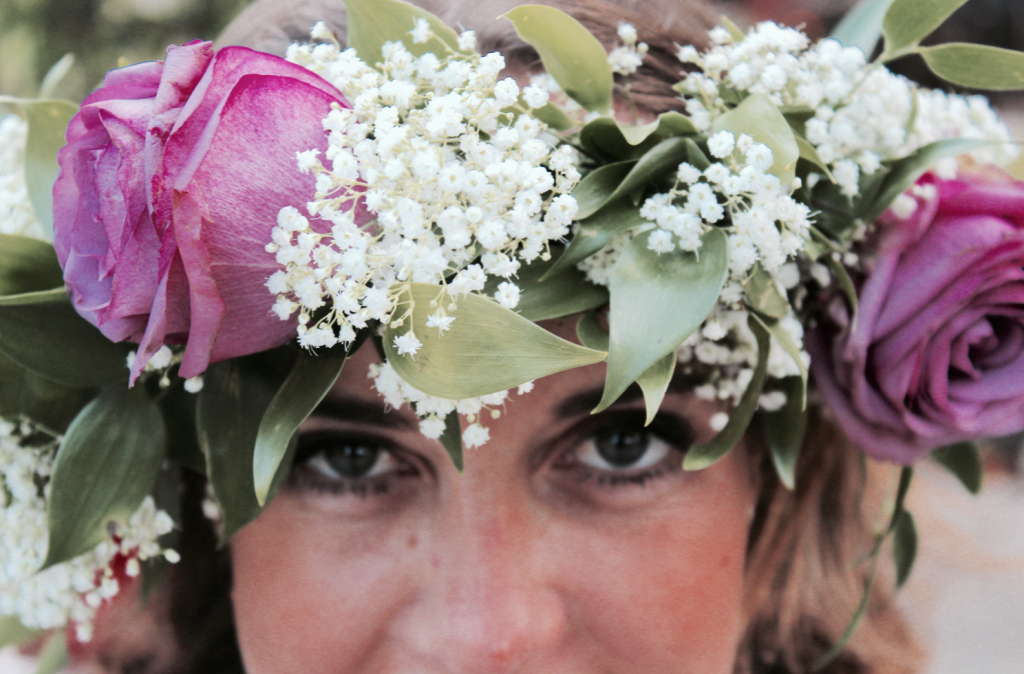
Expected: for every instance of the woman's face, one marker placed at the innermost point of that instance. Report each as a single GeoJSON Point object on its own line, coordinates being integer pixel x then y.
{"type": "Point", "coordinates": [573, 543]}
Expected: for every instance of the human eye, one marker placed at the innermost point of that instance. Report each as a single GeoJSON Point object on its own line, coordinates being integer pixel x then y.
{"type": "Point", "coordinates": [346, 464]}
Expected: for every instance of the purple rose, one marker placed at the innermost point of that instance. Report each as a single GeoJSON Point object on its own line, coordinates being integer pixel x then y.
{"type": "Point", "coordinates": [937, 353]}
{"type": "Point", "coordinates": [170, 184]}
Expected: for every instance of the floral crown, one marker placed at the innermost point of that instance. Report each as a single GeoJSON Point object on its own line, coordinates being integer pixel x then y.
{"type": "Point", "coordinates": [228, 227]}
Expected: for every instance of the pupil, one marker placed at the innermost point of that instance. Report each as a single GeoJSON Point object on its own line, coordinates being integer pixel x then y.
{"type": "Point", "coordinates": [353, 461]}
{"type": "Point", "coordinates": [623, 449]}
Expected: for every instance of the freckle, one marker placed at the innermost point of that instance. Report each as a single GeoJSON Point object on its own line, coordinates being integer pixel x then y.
{"type": "Point", "coordinates": [413, 542]}
{"type": "Point", "coordinates": [435, 563]}
{"type": "Point", "coordinates": [725, 560]}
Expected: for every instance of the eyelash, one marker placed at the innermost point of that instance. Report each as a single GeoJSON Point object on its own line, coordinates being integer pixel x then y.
{"type": "Point", "coordinates": [304, 477]}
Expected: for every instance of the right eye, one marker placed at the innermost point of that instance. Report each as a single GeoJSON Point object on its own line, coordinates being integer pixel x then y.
{"type": "Point", "coordinates": [343, 457]}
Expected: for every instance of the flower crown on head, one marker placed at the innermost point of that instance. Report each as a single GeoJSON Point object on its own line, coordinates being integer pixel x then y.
{"type": "Point", "coordinates": [214, 211]}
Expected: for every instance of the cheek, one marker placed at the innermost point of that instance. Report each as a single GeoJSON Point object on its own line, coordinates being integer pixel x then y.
{"type": "Point", "coordinates": [309, 600]}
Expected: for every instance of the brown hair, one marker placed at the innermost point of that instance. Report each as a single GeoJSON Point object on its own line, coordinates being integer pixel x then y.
{"type": "Point", "coordinates": [803, 581]}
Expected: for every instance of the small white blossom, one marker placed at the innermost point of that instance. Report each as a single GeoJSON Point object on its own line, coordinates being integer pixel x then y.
{"type": "Point", "coordinates": [407, 344]}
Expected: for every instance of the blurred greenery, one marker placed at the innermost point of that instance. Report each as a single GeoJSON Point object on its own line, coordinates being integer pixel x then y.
{"type": "Point", "coordinates": [102, 34]}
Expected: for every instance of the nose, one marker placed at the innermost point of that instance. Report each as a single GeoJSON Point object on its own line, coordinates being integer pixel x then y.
{"type": "Point", "coordinates": [488, 603]}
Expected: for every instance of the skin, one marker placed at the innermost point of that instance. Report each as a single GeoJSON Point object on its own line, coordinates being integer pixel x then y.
{"type": "Point", "coordinates": [541, 557]}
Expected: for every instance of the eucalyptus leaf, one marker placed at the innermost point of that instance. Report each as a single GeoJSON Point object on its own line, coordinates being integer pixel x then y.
{"type": "Point", "coordinates": [705, 454]}
{"type": "Point", "coordinates": [27, 265]}
{"type": "Point", "coordinates": [758, 117]}
{"type": "Point", "coordinates": [43, 333]}
{"type": "Point", "coordinates": [371, 23]}
{"type": "Point", "coordinates": [570, 54]}
{"type": "Point", "coordinates": [235, 397]}
{"type": "Point", "coordinates": [785, 340]}
{"type": "Point", "coordinates": [862, 26]}
{"type": "Point", "coordinates": [487, 349]}
{"type": "Point", "coordinates": [545, 295]}
{"type": "Point", "coordinates": [451, 439]}
{"type": "Point", "coordinates": [656, 302]}
{"type": "Point", "coordinates": [784, 431]}
{"type": "Point", "coordinates": [597, 187]}
{"type": "Point", "coordinates": [808, 153]}
{"type": "Point", "coordinates": [13, 633]}
{"type": "Point", "coordinates": [104, 469]}
{"type": "Point", "coordinates": [963, 460]}
{"type": "Point", "coordinates": [310, 380]}
{"type": "Point", "coordinates": [54, 656]}
{"type": "Point", "coordinates": [47, 121]}
{"type": "Point", "coordinates": [763, 295]}
{"type": "Point", "coordinates": [976, 65]}
{"type": "Point", "coordinates": [907, 22]}
{"type": "Point", "coordinates": [904, 546]}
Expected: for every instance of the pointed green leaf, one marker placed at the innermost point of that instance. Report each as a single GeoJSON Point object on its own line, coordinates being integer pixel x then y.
{"type": "Point", "coordinates": [596, 232]}
{"type": "Point", "coordinates": [104, 469]}
{"type": "Point", "coordinates": [763, 295]}
{"type": "Point", "coordinates": [47, 121]}
{"type": "Point", "coordinates": [654, 167]}
{"type": "Point", "coordinates": [13, 633]}
{"type": "Point", "coordinates": [696, 156]}
{"type": "Point", "coordinates": [569, 52]}
{"type": "Point", "coordinates": [545, 294]}
{"type": "Point", "coordinates": [654, 383]}
{"type": "Point", "coordinates": [964, 461]}
{"type": "Point", "coordinates": [656, 302]}
{"type": "Point", "coordinates": [907, 22]}
{"type": "Point", "coordinates": [906, 477]}
{"type": "Point", "coordinates": [785, 340]}
{"type": "Point", "coordinates": [606, 138]}
{"type": "Point", "coordinates": [734, 31]}
{"type": "Point", "coordinates": [784, 431]}
{"type": "Point", "coordinates": [43, 333]}
{"type": "Point", "coordinates": [590, 332]}
{"type": "Point", "coordinates": [51, 404]}
{"type": "Point", "coordinates": [54, 656]}
{"type": "Point", "coordinates": [487, 349]}
{"type": "Point", "coordinates": [905, 172]}
{"type": "Point", "coordinates": [705, 454]}
{"type": "Point", "coordinates": [904, 547]}
{"type": "Point", "coordinates": [554, 116]}
{"type": "Point", "coordinates": [311, 378]}
{"type": "Point", "coordinates": [976, 65]}
{"type": "Point", "coordinates": [27, 265]}
{"type": "Point", "coordinates": [178, 407]}
{"type": "Point", "coordinates": [451, 439]}
{"type": "Point", "coordinates": [807, 152]}
{"type": "Point", "coordinates": [862, 26]}
{"type": "Point", "coordinates": [758, 117]}
{"type": "Point", "coordinates": [596, 188]}
{"type": "Point", "coordinates": [668, 125]}
{"type": "Point", "coordinates": [55, 75]}
{"type": "Point", "coordinates": [371, 23]}
{"type": "Point", "coordinates": [230, 408]}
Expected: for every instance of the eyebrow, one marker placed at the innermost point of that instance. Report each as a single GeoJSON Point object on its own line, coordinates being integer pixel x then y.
{"type": "Point", "coordinates": [347, 408]}
{"type": "Point", "coordinates": [585, 401]}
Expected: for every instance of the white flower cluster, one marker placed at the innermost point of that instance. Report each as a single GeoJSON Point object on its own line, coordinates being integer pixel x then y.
{"type": "Point", "coordinates": [625, 59]}
{"type": "Point", "coordinates": [432, 410]}
{"type": "Point", "coordinates": [71, 591]}
{"type": "Point", "coordinates": [162, 361]}
{"type": "Point", "coordinates": [16, 213]}
{"type": "Point", "coordinates": [430, 150]}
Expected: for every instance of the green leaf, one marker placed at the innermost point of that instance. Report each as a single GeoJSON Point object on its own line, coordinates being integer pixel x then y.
{"type": "Point", "coordinates": [547, 293]}
{"type": "Point", "coordinates": [654, 383]}
{"type": "Point", "coordinates": [451, 439]}
{"type": "Point", "coordinates": [597, 187]}
{"type": "Point", "coordinates": [606, 138]}
{"type": "Point", "coordinates": [596, 232]}
{"type": "Point", "coordinates": [26, 393]}
{"type": "Point", "coordinates": [862, 26]}
{"type": "Point", "coordinates": [905, 172]}
{"type": "Point", "coordinates": [656, 302]}
{"type": "Point", "coordinates": [13, 633]}
{"type": "Point", "coordinates": [734, 30]}
{"type": "Point", "coordinates": [696, 156]}
{"type": "Point", "coordinates": [907, 22]}
{"type": "Point", "coordinates": [27, 265]}
{"type": "Point", "coordinates": [763, 295]}
{"type": "Point", "coordinates": [590, 332]}
{"type": "Point", "coordinates": [231, 406]}
{"type": "Point", "coordinates": [104, 469]}
{"type": "Point", "coordinates": [487, 349]}
{"type": "Point", "coordinates": [758, 117]}
{"type": "Point", "coordinates": [47, 121]}
{"type": "Point", "coordinates": [783, 338]}
{"type": "Point", "coordinates": [906, 477]}
{"type": "Point", "coordinates": [371, 23]}
{"type": "Point", "coordinates": [784, 431]}
{"type": "Point", "coordinates": [976, 65]}
{"type": "Point", "coordinates": [179, 409]}
{"type": "Point", "coordinates": [554, 116]}
{"type": "Point", "coordinates": [658, 164]}
{"type": "Point", "coordinates": [904, 546]}
{"type": "Point", "coordinates": [43, 333]}
{"type": "Point", "coordinates": [808, 153]}
{"type": "Point", "coordinates": [55, 75]}
{"type": "Point", "coordinates": [54, 656]}
{"type": "Point", "coordinates": [570, 54]}
{"type": "Point", "coordinates": [703, 455]}
{"type": "Point", "coordinates": [310, 380]}
{"type": "Point", "coordinates": [964, 461]}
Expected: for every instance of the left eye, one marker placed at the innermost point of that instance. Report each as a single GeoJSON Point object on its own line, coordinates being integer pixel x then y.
{"type": "Point", "coordinates": [622, 448]}
{"type": "Point", "coordinates": [350, 459]}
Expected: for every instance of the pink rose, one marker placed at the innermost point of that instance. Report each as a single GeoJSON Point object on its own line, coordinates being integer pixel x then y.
{"type": "Point", "coordinates": [937, 353]}
{"type": "Point", "coordinates": [170, 184]}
